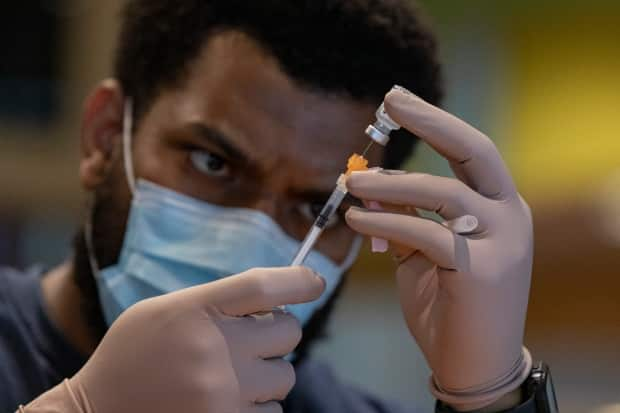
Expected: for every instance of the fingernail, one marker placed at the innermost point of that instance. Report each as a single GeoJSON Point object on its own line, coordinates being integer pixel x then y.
{"type": "Point", "coordinates": [369, 171]}
{"type": "Point", "coordinates": [400, 97]}
{"type": "Point", "coordinates": [313, 271]}
{"type": "Point", "coordinates": [392, 172]}
{"type": "Point", "coordinates": [464, 225]}
{"type": "Point", "coordinates": [373, 205]}
{"type": "Point", "coordinates": [402, 90]}
{"type": "Point", "coordinates": [317, 275]}
{"type": "Point", "coordinates": [379, 245]}
{"type": "Point", "coordinates": [358, 175]}
{"type": "Point", "coordinates": [357, 209]}
{"type": "Point", "coordinates": [353, 211]}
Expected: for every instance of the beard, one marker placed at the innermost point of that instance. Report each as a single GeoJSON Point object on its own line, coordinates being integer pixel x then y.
{"type": "Point", "coordinates": [109, 211]}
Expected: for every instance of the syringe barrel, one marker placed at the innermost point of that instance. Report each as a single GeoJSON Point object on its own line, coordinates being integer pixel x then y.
{"type": "Point", "coordinates": [330, 208]}
{"type": "Point", "coordinates": [307, 246]}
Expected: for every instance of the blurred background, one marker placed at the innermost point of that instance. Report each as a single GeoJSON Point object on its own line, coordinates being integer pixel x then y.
{"type": "Point", "coordinates": [542, 78]}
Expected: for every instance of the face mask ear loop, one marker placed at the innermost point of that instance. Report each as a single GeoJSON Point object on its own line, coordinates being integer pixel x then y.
{"type": "Point", "coordinates": [128, 160]}
{"type": "Point", "coordinates": [353, 254]}
{"type": "Point", "coordinates": [127, 152]}
{"type": "Point", "coordinates": [88, 237]}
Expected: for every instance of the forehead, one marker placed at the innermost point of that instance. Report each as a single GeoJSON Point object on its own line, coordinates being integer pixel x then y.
{"type": "Point", "coordinates": [237, 88]}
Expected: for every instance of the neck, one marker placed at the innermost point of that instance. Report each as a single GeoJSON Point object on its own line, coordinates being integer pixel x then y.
{"type": "Point", "coordinates": [62, 302]}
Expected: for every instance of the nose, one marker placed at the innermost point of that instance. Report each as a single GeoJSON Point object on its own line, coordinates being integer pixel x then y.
{"type": "Point", "coordinates": [278, 208]}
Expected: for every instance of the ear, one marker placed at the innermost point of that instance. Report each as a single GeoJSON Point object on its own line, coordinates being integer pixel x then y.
{"type": "Point", "coordinates": [101, 133]}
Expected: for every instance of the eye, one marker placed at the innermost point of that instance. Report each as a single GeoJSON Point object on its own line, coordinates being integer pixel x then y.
{"type": "Point", "coordinates": [209, 164]}
{"type": "Point", "coordinates": [311, 210]}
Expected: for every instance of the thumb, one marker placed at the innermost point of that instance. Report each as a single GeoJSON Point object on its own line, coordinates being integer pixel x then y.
{"type": "Point", "coordinates": [260, 289]}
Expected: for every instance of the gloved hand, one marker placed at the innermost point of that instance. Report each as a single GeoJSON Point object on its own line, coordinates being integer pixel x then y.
{"type": "Point", "coordinates": [194, 351]}
{"type": "Point", "coordinates": [464, 297]}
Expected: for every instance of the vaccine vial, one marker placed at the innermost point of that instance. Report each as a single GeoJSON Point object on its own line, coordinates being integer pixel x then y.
{"type": "Point", "coordinates": [380, 131]}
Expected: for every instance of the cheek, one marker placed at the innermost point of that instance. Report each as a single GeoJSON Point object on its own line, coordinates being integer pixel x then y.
{"type": "Point", "coordinates": [168, 164]}
{"type": "Point", "coordinates": [156, 162]}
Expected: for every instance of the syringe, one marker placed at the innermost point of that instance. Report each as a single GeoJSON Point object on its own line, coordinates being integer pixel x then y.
{"type": "Point", "coordinates": [328, 211]}
{"type": "Point", "coordinates": [379, 133]}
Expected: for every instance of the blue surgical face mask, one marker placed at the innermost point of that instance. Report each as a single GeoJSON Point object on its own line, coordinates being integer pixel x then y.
{"type": "Point", "coordinates": [174, 241]}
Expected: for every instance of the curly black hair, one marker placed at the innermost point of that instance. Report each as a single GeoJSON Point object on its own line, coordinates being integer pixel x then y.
{"type": "Point", "coordinates": [356, 48]}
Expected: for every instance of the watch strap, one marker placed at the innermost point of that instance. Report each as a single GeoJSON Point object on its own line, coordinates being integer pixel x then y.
{"type": "Point", "coordinates": [528, 406]}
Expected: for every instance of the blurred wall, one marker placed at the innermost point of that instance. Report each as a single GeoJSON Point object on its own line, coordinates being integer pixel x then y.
{"type": "Point", "coordinates": [38, 160]}
{"type": "Point", "coordinates": [541, 78]}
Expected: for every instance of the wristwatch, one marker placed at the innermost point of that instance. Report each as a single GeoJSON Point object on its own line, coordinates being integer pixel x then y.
{"type": "Point", "coordinates": [538, 393]}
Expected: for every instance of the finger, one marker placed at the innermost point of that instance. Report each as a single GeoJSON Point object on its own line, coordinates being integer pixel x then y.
{"type": "Point", "coordinates": [378, 244]}
{"type": "Point", "coordinates": [431, 239]}
{"type": "Point", "coordinates": [268, 380]}
{"type": "Point", "coordinates": [269, 407]}
{"type": "Point", "coordinates": [472, 154]}
{"type": "Point", "coordinates": [400, 252]}
{"type": "Point", "coordinates": [262, 289]}
{"type": "Point", "coordinates": [448, 197]}
{"type": "Point", "coordinates": [274, 334]}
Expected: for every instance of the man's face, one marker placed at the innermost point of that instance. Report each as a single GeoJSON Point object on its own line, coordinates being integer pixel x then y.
{"type": "Point", "coordinates": [240, 133]}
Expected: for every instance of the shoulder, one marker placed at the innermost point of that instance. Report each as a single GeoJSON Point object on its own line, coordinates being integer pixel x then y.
{"type": "Point", "coordinates": [15, 286]}
{"type": "Point", "coordinates": [18, 290]}
{"type": "Point", "coordinates": [318, 389]}
{"type": "Point", "coordinates": [11, 278]}
{"type": "Point", "coordinates": [34, 355]}
{"type": "Point", "coordinates": [18, 296]}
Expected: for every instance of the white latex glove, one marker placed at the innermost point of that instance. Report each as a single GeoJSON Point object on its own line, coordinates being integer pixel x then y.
{"type": "Point", "coordinates": [464, 297]}
{"type": "Point", "coordinates": [194, 351]}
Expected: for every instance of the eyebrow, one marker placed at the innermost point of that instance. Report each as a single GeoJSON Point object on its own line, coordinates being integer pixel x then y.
{"type": "Point", "coordinates": [219, 139]}
{"type": "Point", "coordinates": [224, 143]}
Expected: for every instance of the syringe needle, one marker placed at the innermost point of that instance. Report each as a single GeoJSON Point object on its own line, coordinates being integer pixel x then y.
{"type": "Point", "coordinates": [367, 148]}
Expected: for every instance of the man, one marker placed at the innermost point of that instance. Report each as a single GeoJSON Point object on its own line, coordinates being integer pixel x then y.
{"type": "Point", "coordinates": [208, 157]}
